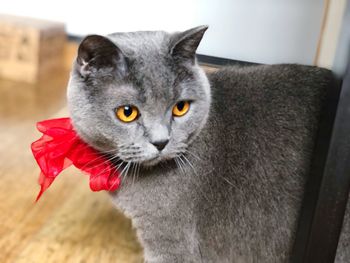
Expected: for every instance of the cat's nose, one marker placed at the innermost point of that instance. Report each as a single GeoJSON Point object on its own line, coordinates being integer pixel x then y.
{"type": "Point", "coordinates": [160, 145]}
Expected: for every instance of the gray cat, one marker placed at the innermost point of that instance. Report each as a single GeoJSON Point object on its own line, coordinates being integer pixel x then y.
{"type": "Point", "coordinates": [210, 172]}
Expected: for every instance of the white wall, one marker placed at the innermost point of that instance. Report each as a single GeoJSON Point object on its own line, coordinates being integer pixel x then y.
{"type": "Point", "coordinates": [342, 56]}
{"type": "Point", "coordinates": [268, 31]}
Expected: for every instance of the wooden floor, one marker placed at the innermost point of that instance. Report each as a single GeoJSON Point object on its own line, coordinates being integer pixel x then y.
{"type": "Point", "coordinates": [69, 223]}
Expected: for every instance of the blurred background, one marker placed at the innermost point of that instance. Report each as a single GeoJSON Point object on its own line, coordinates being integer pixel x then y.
{"type": "Point", "coordinates": [266, 31]}
{"type": "Point", "coordinates": [38, 42]}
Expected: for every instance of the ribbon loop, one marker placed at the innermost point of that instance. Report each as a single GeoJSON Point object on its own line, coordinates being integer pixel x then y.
{"type": "Point", "coordinates": [60, 147]}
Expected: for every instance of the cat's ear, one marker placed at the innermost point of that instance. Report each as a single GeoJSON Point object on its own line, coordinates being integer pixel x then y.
{"type": "Point", "coordinates": [184, 45]}
{"type": "Point", "coordinates": [99, 55]}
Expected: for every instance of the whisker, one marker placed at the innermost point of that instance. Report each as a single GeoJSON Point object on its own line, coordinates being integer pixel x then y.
{"type": "Point", "coordinates": [127, 170]}
{"type": "Point", "coordinates": [179, 164]}
{"type": "Point", "coordinates": [138, 170]}
{"type": "Point", "coordinates": [195, 172]}
{"type": "Point", "coordinates": [117, 171]}
{"type": "Point", "coordinates": [132, 172]}
{"type": "Point", "coordinates": [183, 163]}
{"type": "Point", "coordinates": [195, 156]}
{"type": "Point", "coordinates": [226, 180]}
{"type": "Point", "coordinates": [100, 164]}
{"type": "Point", "coordinates": [101, 172]}
{"type": "Point", "coordinates": [190, 164]}
{"type": "Point", "coordinates": [124, 171]}
{"type": "Point", "coordinates": [119, 165]}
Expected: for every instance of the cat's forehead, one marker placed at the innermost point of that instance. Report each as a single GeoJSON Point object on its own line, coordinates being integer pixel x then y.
{"type": "Point", "coordinates": [141, 43]}
{"type": "Point", "coordinates": [153, 73]}
{"type": "Point", "coordinates": [155, 83]}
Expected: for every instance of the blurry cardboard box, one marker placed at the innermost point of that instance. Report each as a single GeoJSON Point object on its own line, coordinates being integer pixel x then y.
{"type": "Point", "coordinates": [30, 48]}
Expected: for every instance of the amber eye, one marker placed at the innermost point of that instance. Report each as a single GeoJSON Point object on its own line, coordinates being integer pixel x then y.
{"type": "Point", "coordinates": [127, 113]}
{"type": "Point", "coordinates": [181, 108]}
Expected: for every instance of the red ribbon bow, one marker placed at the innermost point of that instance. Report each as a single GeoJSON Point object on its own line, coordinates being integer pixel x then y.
{"type": "Point", "coordinates": [60, 147]}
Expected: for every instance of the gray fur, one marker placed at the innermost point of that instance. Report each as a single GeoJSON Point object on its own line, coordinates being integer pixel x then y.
{"type": "Point", "coordinates": [229, 184]}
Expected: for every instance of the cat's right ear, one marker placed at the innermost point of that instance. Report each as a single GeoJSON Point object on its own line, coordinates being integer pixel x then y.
{"type": "Point", "coordinates": [99, 55]}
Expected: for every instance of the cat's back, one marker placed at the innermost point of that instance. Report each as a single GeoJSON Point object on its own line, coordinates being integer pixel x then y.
{"type": "Point", "coordinates": [269, 114]}
{"type": "Point", "coordinates": [269, 107]}
{"type": "Point", "coordinates": [270, 89]}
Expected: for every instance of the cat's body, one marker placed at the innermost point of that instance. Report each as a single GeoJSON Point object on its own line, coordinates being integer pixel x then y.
{"type": "Point", "coordinates": [234, 192]}
{"type": "Point", "coordinates": [242, 197]}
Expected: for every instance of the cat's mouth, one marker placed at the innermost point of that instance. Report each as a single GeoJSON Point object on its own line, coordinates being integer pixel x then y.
{"type": "Point", "coordinates": [156, 160]}
{"type": "Point", "coordinates": [149, 159]}
{"type": "Point", "coordinates": [153, 161]}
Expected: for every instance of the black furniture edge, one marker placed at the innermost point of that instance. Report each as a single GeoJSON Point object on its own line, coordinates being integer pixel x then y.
{"type": "Point", "coordinates": [327, 190]}
{"type": "Point", "coordinates": [218, 61]}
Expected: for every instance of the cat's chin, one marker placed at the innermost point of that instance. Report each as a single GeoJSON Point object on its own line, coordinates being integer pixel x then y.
{"type": "Point", "coordinates": [155, 161]}
{"type": "Point", "coordinates": [152, 162]}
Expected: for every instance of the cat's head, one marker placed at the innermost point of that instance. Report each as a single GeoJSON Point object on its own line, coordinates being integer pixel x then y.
{"type": "Point", "coordinates": [140, 96]}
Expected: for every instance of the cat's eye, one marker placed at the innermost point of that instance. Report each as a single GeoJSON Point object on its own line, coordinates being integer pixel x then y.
{"type": "Point", "coordinates": [127, 113]}
{"type": "Point", "coordinates": [181, 108]}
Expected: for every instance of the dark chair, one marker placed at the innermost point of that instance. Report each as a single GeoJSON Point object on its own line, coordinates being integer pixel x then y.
{"type": "Point", "coordinates": [327, 190]}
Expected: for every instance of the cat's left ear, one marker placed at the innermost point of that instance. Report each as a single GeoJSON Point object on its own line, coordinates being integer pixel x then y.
{"type": "Point", "coordinates": [97, 55]}
{"type": "Point", "coordinates": [184, 45]}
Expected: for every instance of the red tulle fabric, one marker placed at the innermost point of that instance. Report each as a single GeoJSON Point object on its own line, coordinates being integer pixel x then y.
{"type": "Point", "coordinates": [60, 147]}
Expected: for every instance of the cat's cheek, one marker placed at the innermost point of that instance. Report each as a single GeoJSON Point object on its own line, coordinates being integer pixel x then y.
{"type": "Point", "coordinates": [149, 151]}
